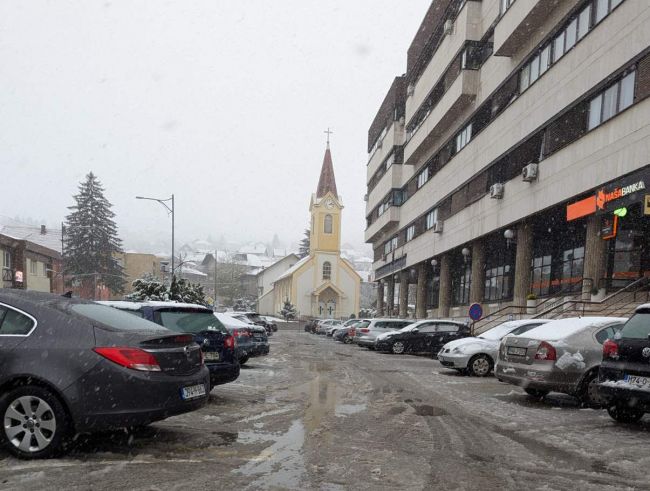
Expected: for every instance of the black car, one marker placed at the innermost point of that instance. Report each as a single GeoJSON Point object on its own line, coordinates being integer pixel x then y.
{"type": "Point", "coordinates": [423, 337]}
{"type": "Point", "coordinates": [217, 344]}
{"type": "Point", "coordinates": [256, 318]}
{"type": "Point", "coordinates": [624, 374]}
{"type": "Point", "coordinates": [69, 366]}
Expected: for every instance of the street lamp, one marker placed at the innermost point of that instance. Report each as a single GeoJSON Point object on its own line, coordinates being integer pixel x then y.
{"type": "Point", "coordinates": [171, 210]}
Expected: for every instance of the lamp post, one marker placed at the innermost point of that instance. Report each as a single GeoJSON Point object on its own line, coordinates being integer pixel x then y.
{"type": "Point", "coordinates": [171, 210]}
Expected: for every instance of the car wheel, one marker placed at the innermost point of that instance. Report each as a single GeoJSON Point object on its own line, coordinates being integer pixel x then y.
{"type": "Point", "coordinates": [480, 366]}
{"type": "Point", "coordinates": [588, 394]}
{"type": "Point", "coordinates": [536, 393]}
{"type": "Point", "coordinates": [398, 348]}
{"type": "Point", "coordinates": [243, 360]}
{"type": "Point", "coordinates": [347, 340]}
{"type": "Point", "coordinates": [35, 424]}
{"type": "Point", "coordinates": [624, 414]}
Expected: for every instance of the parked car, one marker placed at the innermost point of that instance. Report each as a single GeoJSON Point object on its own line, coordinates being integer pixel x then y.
{"type": "Point", "coordinates": [364, 335]}
{"type": "Point", "coordinates": [256, 318]}
{"type": "Point", "coordinates": [335, 327]}
{"type": "Point", "coordinates": [477, 355]}
{"type": "Point", "coordinates": [271, 321]}
{"type": "Point", "coordinates": [423, 337]}
{"type": "Point", "coordinates": [69, 366]}
{"type": "Point", "coordinates": [310, 326]}
{"type": "Point", "coordinates": [252, 340]}
{"type": "Point", "coordinates": [217, 344]}
{"type": "Point", "coordinates": [345, 334]}
{"type": "Point", "coordinates": [325, 324]}
{"type": "Point", "coordinates": [559, 356]}
{"type": "Point", "coordinates": [624, 375]}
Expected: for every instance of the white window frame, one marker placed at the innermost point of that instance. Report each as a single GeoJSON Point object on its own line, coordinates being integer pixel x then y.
{"type": "Point", "coordinates": [410, 232]}
{"type": "Point", "coordinates": [423, 177]}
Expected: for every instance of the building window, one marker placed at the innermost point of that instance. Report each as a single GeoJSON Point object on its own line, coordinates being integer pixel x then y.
{"type": "Point", "coordinates": [432, 218]}
{"type": "Point", "coordinates": [423, 177]}
{"type": "Point", "coordinates": [328, 224]}
{"type": "Point", "coordinates": [611, 101]}
{"type": "Point", "coordinates": [567, 38]}
{"type": "Point", "coordinates": [464, 137]}
{"type": "Point", "coordinates": [44, 269]}
{"type": "Point", "coordinates": [6, 259]}
{"type": "Point", "coordinates": [32, 267]}
{"type": "Point", "coordinates": [410, 232]}
{"type": "Point", "coordinates": [327, 270]}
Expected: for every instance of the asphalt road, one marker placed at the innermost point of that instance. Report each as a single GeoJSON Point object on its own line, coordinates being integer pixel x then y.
{"type": "Point", "coordinates": [316, 414]}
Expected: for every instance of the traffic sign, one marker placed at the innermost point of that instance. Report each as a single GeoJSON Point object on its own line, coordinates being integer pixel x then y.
{"type": "Point", "coordinates": [475, 311]}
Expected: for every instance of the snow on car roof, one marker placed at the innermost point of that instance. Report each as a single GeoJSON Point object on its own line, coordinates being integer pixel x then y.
{"type": "Point", "coordinates": [563, 328]}
{"type": "Point", "coordinates": [125, 305]}
{"type": "Point", "coordinates": [229, 321]}
{"type": "Point", "coordinates": [120, 304]}
{"type": "Point", "coordinates": [645, 306]}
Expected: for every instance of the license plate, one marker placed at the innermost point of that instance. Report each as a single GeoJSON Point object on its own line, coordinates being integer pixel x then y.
{"type": "Point", "coordinates": [192, 392]}
{"type": "Point", "coordinates": [512, 350]}
{"type": "Point", "coordinates": [640, 381]}
{"type": "Point", "coordinates": [211, 356]}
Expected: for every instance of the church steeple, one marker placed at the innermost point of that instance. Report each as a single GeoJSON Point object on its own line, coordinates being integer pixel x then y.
{"type": "Point", "coordinates": [327, 182]}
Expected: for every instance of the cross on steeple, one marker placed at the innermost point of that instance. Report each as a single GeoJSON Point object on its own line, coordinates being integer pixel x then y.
{"type": "Point", "coordinates": [329, 132]}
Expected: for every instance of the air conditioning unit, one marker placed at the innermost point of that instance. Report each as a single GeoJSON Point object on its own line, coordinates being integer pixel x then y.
{"type": "Point", "coordinates": [529, 173]}
{"type": "Point", "coordinates": [449, 26]}
{"type": "Point", "coordinates": [438, 227]}
{"type": "Point", "coordinates": [496, 191]}
{"type": "Point", "coordinates": [365, 197]}
{"type": "Point", "coordinates": [409, 90]}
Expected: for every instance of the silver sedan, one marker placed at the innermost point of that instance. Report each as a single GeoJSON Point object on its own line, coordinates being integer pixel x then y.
{"type": "Point", "coordinates": [560, 356]}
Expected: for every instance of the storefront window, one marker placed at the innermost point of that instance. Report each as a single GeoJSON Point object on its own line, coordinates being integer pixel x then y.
{"type": "Point", "coordinates": [461, 277]}
{"type": "Point", "coordinates": [499, 269]}
{"type": "Point", "coordinates": [629, 252]}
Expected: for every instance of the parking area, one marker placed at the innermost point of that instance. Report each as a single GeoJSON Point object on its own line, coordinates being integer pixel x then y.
{"type": "Point", "coordinates": [316, 414]}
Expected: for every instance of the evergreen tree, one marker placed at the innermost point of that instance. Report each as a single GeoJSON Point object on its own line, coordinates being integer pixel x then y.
{"type": "Point", "coordinates": [304, 245]}
{"type": "Point", "coordinates": [288, 311]}
{"type": "Point", "coordinates": [243, 305]}
{"type": "Point", "coordinates": [91, 241]}
{"type": "Point", "coordinates": [148, 288]}
{"type": "Point", "coordinates": [182, 290]}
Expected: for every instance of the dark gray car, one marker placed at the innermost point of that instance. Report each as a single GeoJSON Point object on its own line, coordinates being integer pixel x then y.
{"type": "Point", "coordinates": [69, 366]}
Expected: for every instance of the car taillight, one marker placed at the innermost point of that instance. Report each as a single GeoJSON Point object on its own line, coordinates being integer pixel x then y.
{"type": "Point", "coordinates": [365, 329]}
{"type": "Point", "coordinates": [235, 333]}
{"type": "Point", "coordinates": [133, 358]}
{"type": "Point", "coordinates": [610, 349]}
{"type": "Point", "coordinates": [545, 351]}
{"type": "Point", "coordinates": [229, 342]}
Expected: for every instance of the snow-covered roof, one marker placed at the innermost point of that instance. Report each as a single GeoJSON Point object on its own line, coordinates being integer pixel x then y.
{"type": "Point", "coordinates": [33, 234]}
{"type": "Point", "coordinates": [293, 268]}
{"type": "Point", "coordinates": [188, 270]}
{"type": "Point", "coordinates": [258, 248]}
{"type": "Point", "coordinates": [563, 328]}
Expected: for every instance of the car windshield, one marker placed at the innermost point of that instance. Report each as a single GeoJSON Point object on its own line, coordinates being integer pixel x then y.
{"type": "Point", "coordinates": [362, 324]}
{"type": "Point", "coordinates": [637, 327]}
{"type": "Point", "coordinates": [191, 321]}
{"type": "Point", "coordinates": [114, 318]}
{"type": "Point", "coordinates": [496, 333]}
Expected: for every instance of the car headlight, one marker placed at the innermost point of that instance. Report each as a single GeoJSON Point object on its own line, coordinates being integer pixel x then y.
{"type": "Point", "coordinates": [458, 349]}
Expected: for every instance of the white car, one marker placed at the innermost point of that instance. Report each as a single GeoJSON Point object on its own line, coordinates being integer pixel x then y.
{"type": "Point", "coordinates": [477, 355]}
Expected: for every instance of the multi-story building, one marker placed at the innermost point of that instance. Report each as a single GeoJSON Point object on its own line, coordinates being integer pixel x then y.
{"type": "Point", "coordinates": [513, 156]}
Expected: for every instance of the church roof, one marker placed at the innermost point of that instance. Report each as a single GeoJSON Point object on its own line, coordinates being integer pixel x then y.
{"type": "Point", "coordinates": [326, 182]}
{"type": "Point", "coordinates": [293, 268]}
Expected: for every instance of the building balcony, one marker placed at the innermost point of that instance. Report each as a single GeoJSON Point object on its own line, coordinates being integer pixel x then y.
{"type": "Point", "coordinates": [392, 179]}
{"type": "Point", "coordinates": [388, 219]}
{"type": "Point", "coordinates": [466, 27]}
{"type": "Point", "coordinates": [522, 21]}
{"type": "Point", "coordinates": [460, 94]}
{"type": "Point", "coordinates": [394, 136]}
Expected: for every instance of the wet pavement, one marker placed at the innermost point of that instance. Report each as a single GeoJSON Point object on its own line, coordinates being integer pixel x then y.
{"type": "Point", "coordinates": [316, 414]}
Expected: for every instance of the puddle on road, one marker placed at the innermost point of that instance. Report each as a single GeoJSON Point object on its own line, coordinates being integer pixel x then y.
{"type": "Point", "coordinates": [348, 409]}
{"type": "Point", "coordinates": [273, 412]}
{"type": "Point", "coordinates": [280, 465]}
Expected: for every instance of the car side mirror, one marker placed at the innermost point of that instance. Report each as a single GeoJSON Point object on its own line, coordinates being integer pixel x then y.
{"type": "Point", "coordinates": [415, 330]}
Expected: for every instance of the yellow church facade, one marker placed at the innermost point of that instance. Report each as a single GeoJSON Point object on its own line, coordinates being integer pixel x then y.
{"type": "Point", "coordinates": [322, 284]}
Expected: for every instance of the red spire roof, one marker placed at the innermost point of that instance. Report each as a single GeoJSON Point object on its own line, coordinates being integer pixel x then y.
{"type": "Point", "coordinates": [327, 182]}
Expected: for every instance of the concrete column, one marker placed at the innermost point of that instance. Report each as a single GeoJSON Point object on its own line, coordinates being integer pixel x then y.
{"type": "Point", "coordinates": [380, 299]}
{"type": "Point", "coordinates": [524, 256]}
{"type": "Point", "coordinates": [595, 265]}
{"type": "Point", "coordinates": [403, 293]}
{"type": "Point", "coordinates": [390, 295]}
{"type": "Point", "coordinates": [421, 292]}
{"type": "Point", "coordinates": [477, 286]}
{"type": "Point", "coordinates": [444, 297]}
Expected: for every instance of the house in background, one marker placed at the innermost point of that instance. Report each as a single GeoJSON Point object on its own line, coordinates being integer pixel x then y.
{"type": "Point", "coordinates": [30, 258]}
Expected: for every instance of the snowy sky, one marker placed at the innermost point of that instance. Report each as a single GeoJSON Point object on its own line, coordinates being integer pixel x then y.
{"type": "Point", "coordinates": [222, 103]}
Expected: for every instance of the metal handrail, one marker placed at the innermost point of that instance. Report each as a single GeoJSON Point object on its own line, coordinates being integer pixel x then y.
{"type": "Point", "coordinates": [584, 303]}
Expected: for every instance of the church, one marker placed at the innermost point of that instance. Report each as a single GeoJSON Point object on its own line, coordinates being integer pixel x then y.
{"type": "Point", "coordinates": [321, 284]}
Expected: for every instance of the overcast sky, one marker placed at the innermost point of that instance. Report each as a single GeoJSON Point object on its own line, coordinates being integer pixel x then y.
{"type": "Point", "coordinates": [223, 103]}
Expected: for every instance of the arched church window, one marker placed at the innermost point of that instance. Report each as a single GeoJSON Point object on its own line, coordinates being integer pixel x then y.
{"type": "Point", "coordinates": [327, 270]}
{"type": "Point", "coordinates": [328, 224]}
